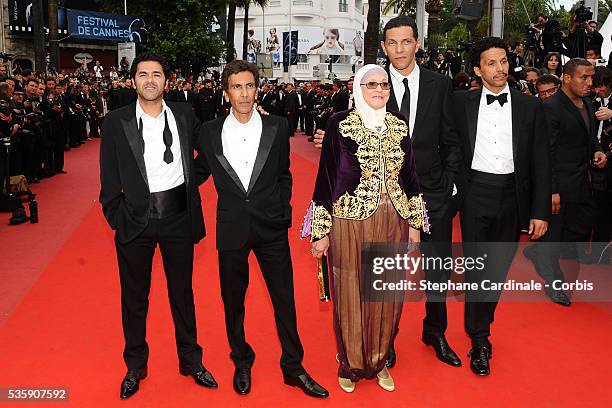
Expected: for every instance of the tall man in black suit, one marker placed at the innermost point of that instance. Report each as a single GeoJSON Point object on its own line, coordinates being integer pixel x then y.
{"type": "Point", "coordinates": [248, 157]}
{"type": "Point", "coordinates": [507, 182]}
{"type": "Point", "coordinates": [291, 105]}
{"type": "Point", "coordinates": [206, 102]}
{"type": "Point", "coordinates": [573, 145]}
{"type": "Point", "coordinates": [425, 99]}
{"type": "Point", "coordinates": [150, 197]}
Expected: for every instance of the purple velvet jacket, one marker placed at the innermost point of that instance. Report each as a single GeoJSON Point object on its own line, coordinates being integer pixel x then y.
{"type": "Point", "coordinates": [353, 164]}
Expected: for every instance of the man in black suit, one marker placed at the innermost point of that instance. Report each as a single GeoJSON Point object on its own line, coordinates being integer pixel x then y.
{"type": "Point", "coordinates": [248, 157]}
{"type": "Point", "coordinates": [126, 95]}
{"type": "Point", "coordinates": [150, 197]}
{"type": "Point", "coordinates": [573, 145]}
{"type": "Point", "coordinates": [267, 97]}
{"type": "Point", "coordinates": [184, 94]}
{"type": "Point", "coordinates": [425, 99]}
{"type": "Point", "coordinates": [308, 94]}
{"type": "Point", "coordinates": [291, 107]}
{"type": "Point", "coordinates": [507, 183]}
{"type": "Point", "coordinates": [602, 178]}
{"type": "Point", "coordinates": [206, 103]}
{"type": "Point", "coordinates": [340, 97]}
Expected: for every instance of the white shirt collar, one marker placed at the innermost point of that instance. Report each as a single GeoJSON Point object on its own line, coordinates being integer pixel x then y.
{"type": "Point", "coordinates": [140, 113]}
{"type": "Point", "coordinates": [252, 121]}
{"type": "Point", "coordinates": [412, 76]}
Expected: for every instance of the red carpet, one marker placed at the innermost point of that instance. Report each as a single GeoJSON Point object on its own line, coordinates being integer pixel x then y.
{"type": "Point", "coordinates": [65, 330]}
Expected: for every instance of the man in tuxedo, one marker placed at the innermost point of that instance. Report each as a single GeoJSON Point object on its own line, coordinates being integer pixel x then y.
{"type": "Point", "coordinates": [507, 183]}
{"type": "Point", "coordinates": [248, 157]}
{"type": "Point", "coordinates": [291, 107]}
{"type": "Point", "coordinates": [126, 95]}
{"type": "Point", "coordinates": [574, 146]}
{"type": "Point", "coordinates": [340, 97]}
{"type": "Point", "coordinates": [150, 197]}
{"type": "Point", "coordinates": [308, 95]}
{"type": "Point", "coordinates": [267, 97]}
{"type": "Point", "coordinates": [206, 103]}
{"type": "Point", "coordinates": [184, 94]}
{"type": "Point", "coordinates": [425, 99]}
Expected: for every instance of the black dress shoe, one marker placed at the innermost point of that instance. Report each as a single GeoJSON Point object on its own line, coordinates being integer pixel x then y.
{"type": "Point", "coordinates": [242, 380]}
{"type": "Point", "coordinates": [307, 384]}
{"type": "Point", "coordinates": [392, 357]}
{"type": "Point", "coordinates": [479, 360]}
{"type": "Point", "coordinates": [131, 382]}
{"type": "Point", "coordinates": [200, 374]}
{"type": "Point", "coordinates": [443, 350]}
{"type": "Point", "coordinates": [557, 296]}
{"type": "Point", "coordinates": [61, 172]}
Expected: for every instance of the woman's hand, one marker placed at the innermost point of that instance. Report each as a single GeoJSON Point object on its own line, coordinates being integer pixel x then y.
{"type": "Point", "coordinates": [319, 248]}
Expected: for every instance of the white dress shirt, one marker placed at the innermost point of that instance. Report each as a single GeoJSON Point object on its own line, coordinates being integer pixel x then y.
{"type": "Point", "coordinates": [604, 102]}
{"type": "Point", "coordinates": [397, 80]}
{"type": "Point", "coordinates": [162, 176]}
{"type": "Point", "coordinates": [240, 144]}
{"type": "Point", "coordinates": [493, 148]}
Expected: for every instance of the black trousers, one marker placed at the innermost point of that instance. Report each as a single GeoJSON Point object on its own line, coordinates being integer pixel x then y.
{"type": "Point", "coordinates": [602, 233]}
{"type": "Point", "coordinates": [173, 234]}
{"type": "Point", "coordinates": [489, 216]}
{"type": "Point", "coordinates": [572, 225]}
{"type": "Point", "coordinates": [308, 123]}
{"type": "Point", "coordinates": [437, 244]}
{"type": "Point", "coordinates": [274, 259]}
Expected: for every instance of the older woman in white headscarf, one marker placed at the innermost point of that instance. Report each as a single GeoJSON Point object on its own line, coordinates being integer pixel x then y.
{"type": "Point", "coordinates": [366, 192]}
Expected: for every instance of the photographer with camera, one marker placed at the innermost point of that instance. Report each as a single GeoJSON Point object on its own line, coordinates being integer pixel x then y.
{"type": "Point", "coordinates": [601, 179]}
{"type": "Point", "coordinates": [548, 37]}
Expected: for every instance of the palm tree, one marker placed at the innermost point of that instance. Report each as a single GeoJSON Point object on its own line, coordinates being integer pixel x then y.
{"type": "Point", "coordinates": [231, 27]}
{"type": "Point", "coordinates": [404, 7]}
{"type": "Point", "coordinates": [246, 4]}
{"type": "Point", "coordinates": [370, 42]}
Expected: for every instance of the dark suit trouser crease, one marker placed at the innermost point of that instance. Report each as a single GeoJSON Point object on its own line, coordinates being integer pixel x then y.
{"type": "Point", "coordinates": [489, 215]}
{"type": "Point", "coordinates": [572, 225]}
{"type": "Point", "coordinates": [437, 244]}
{"type": "Point", "coordinates": [275, 262]}
{"type": "Point", "coordinates": [173, 234]}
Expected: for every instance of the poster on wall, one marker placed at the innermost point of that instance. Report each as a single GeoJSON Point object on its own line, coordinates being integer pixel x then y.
{"type": "Point", "coordinates": [105, 26]}
{"type": "Point", "coordinates": [311, 40]}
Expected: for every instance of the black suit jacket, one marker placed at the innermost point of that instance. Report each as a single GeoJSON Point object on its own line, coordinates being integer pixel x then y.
{"type": "Point", "coordinates": [340, 100]}
{"type": "Point", "coordinates": [530, 148]}
{"type": "Point", "coordinates": [124, 192]}
{"type": "Point", "coordinates": [435, 142]}
{"type": "Point", "coordinates": [179, 96]}
{"type": "Point", "coordinates": [292, 103]}
{"type": "Point", "coordinates": [572, 146]}
{"type": "Point", "coordinates": [265, 206]}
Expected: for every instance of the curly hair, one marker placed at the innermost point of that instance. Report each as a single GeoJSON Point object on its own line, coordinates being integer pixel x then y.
{"type": "Point", "coordinates": [483, 45]}
{"type": "Point", "coordinates": [236, 67]}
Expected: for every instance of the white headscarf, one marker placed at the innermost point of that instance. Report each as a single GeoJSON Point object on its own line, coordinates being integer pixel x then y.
{"type": "Point", "coordinates": [373, 119]}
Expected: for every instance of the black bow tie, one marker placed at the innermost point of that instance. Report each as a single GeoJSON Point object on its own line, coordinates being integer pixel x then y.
{"type": "Point", "coordinates": [501, 98]}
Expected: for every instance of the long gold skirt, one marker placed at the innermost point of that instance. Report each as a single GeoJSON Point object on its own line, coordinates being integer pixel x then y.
{"type": "Point", "coordinates": [364, 329]}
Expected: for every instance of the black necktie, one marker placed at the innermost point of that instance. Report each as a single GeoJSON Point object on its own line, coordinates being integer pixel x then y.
{"type": "Point", "coordinates": [167, 141]}
{"type": "Point", "coordinates": [501, 98]}
{"type": "Point", "coordinates": [140, 134]}
{"type": "Point", "coordinates": [405, 108]}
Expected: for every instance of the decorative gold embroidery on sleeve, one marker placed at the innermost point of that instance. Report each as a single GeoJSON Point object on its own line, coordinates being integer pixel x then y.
{"type": "Point", "coordinates": [321, 223]}
{"type": "Point", "coordinates": [417, 213]}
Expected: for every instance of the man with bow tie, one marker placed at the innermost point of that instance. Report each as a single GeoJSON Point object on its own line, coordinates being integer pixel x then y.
{"type": "Point", "coordinates": [150, 197]}
{"type": "Point", "coordinates": [507, 182]}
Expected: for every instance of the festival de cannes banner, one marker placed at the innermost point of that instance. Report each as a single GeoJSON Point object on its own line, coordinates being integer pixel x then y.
{"type": "Point", "coordinates": [105, 26]}
{"type": "Point", "coordinates": [311, 40]}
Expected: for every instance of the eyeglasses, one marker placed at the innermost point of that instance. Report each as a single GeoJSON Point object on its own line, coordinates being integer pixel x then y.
{"type": "Point", "coordinates": [385, 86]}
{"type": "Point", "coordinates": [549, 92]}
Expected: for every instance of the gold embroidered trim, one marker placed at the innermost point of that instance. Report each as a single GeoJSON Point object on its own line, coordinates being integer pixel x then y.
{"type": "Point", "coordinates": [380, 159]}
{"type": "Point", "coordinates": [321, 223]}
